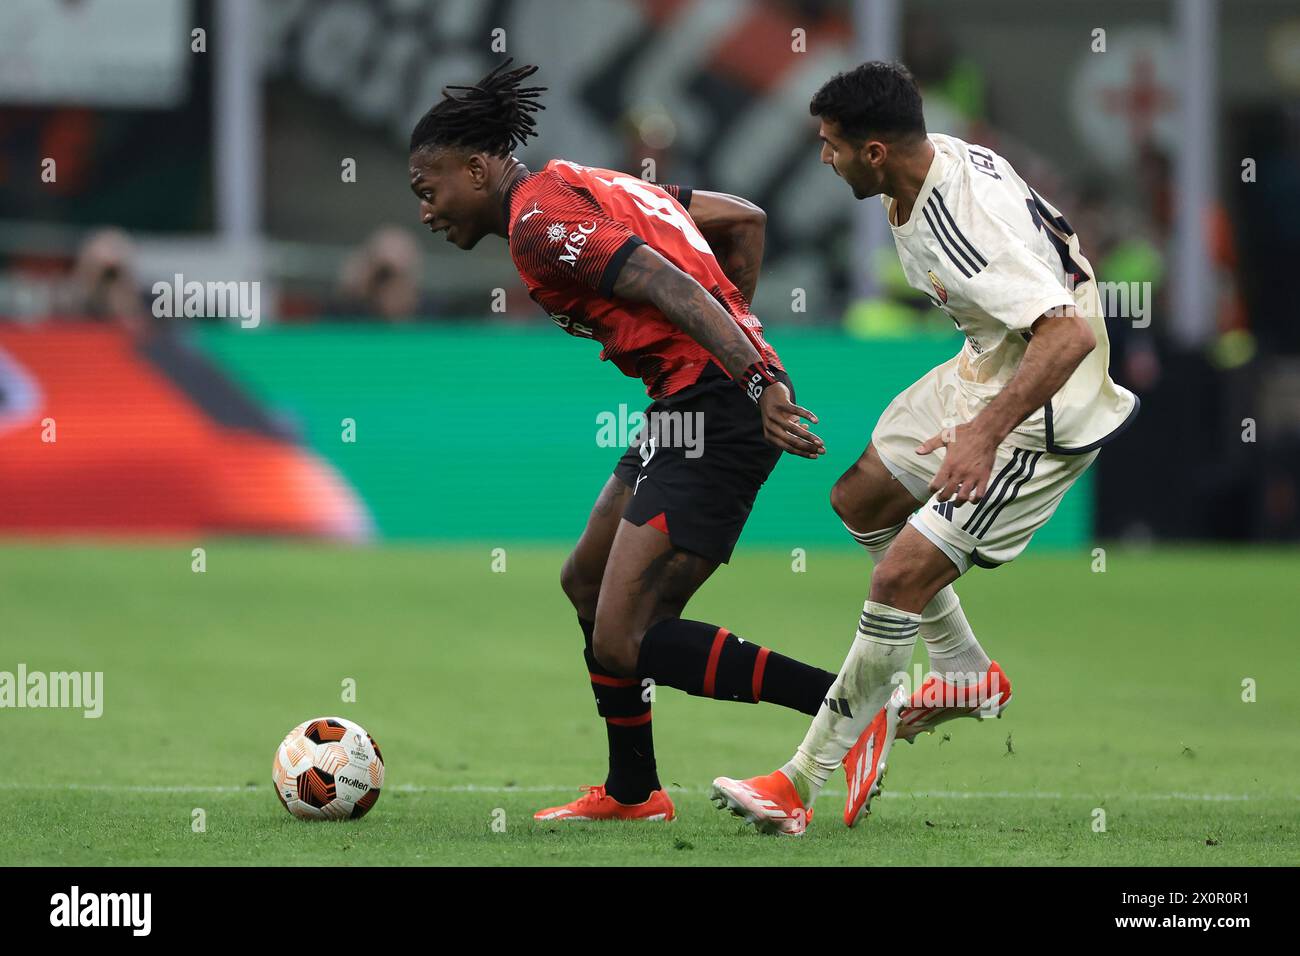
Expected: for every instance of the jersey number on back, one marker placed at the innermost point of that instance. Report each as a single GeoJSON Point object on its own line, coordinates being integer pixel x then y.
{"type": "Point", "coordinates": [660, 207]}
{"type": "Point", "coordinates": [1056, 227]}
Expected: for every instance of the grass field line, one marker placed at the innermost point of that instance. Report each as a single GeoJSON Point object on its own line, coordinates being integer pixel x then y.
{"type": "Point", "coordinates": [696, 791]}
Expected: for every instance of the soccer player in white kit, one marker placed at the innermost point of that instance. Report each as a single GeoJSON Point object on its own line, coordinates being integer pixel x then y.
{"type": "Point", "coordinates": [986, 444]}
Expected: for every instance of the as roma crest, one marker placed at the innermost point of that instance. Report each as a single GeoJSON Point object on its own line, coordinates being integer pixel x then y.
{"type": "Point", "coordinates": [939, 290]}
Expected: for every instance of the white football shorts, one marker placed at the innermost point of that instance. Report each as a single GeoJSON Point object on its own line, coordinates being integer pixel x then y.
{"type": "Point", "coordinates": [1024, 489]}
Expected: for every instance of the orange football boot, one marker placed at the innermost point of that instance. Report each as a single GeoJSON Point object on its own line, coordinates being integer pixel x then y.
{"type": "Point", "coordinates": [865, 763]}
{"type": "Point", "coordinates": [934, 702]}
{"type": "Point", "coordinates": [938, 700]}
{"type": "Point", "coordinates": [770, 803]}
{"type": "Point", "coordinates": [595, 804]}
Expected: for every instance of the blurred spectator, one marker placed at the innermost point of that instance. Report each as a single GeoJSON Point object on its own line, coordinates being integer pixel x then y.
{"type": "Point", "coordinates": [382, 279]}
{"type": "Point", "coordinates": [104, 284]}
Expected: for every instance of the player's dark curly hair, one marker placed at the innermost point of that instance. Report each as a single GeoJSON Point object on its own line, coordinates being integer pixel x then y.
{"type": "Point", "coordinates": [493, 116]}
{"type": "Point", "coordinates": [874, 99]}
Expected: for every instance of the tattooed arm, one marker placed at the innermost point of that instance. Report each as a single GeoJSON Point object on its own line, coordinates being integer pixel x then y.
{"type": "Point", "coordinates": [647, 276]}
{"type": "Point", "coordinates": [735, 230]}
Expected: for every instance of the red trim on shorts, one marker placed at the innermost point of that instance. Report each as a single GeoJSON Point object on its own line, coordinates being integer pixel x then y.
{"type": "Point", "coordinates": [629, 721]}
{"type": "Point", "coordinates": [711, 671]}
{"type": "Point", "coordinates": [760, 663]}
{"type": "Point", "coordinates": [612, 681]}
{"type": "Point", "coordinates": [659, 522]}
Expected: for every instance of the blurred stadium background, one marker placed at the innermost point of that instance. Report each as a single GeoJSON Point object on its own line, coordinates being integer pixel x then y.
{"type": "Point", "coordinates": [387, 394]}
{"type": "Point", "coordinates": [133, 150]}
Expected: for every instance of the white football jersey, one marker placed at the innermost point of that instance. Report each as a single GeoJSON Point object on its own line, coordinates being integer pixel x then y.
{"type": "Point", "coordinates": [995, 256]}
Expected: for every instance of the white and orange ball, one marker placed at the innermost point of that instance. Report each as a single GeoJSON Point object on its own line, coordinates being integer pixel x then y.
{"type": "Point", "coordinates": [328, 769]}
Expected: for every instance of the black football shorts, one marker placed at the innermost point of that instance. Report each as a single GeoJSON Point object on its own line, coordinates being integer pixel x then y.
{"type": "Point", "coordinates": [696, 466]}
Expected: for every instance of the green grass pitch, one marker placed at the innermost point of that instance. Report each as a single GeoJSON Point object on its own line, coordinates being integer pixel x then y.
{"type": "Point", "coordinates": [1128, 698]}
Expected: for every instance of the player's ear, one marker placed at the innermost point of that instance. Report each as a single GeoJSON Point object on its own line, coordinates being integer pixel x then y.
{"type": "Point", "coordinates": [478, 170]}
{"type": "Point", "coordinates": [873, 153]}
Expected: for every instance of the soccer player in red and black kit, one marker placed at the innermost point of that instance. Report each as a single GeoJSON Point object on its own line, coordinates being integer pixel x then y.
{"type": "Point", "coordinates": [616, 259]}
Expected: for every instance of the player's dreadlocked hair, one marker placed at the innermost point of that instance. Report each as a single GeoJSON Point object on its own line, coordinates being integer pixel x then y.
{"type": "Point", "coordinates": [493, 116]}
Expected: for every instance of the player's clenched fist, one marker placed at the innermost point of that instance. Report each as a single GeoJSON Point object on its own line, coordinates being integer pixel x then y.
{"type": "Point", "coordinates": [964, 475]}
{"type": "Point", "coordinates": [781, 425]}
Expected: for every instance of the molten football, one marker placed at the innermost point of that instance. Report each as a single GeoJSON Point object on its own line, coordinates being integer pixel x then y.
{"type": "Point", "coordinates": [328, 769]}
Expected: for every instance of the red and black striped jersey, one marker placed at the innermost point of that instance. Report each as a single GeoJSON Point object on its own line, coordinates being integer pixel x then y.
{"type": "Point", "coordinates": [572, 227]}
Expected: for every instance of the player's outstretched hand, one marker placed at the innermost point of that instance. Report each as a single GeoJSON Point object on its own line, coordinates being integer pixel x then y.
{"type": "Point", "coordinates": [964, 474]}
{"type": "Point", "coordinates": [781, 425]}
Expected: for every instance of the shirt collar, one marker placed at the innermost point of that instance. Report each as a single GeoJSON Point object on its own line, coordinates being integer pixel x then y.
{"type": "Point", "coordinates": [938, 166]}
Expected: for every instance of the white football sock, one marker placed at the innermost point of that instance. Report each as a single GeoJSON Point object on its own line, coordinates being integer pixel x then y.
{"type": "Point", "coordinates": [954, 652]}
{"type": "Point", "coordinates": [881, 649]}
{"type": "Point", "coordinates": [949, 641]}
{"type": "Point", "coordinates": [876, 542]}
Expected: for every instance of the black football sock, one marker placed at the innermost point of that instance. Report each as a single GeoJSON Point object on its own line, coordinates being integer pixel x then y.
{"type": "Point", "coordinates": [709, 661]}
{"type": "Point", "coordinates": [632, 773]}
